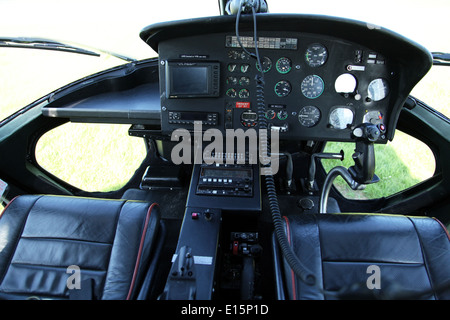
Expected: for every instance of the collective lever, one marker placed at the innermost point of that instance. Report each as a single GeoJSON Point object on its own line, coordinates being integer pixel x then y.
{"type": "Point", "coordinates": [312, 165]}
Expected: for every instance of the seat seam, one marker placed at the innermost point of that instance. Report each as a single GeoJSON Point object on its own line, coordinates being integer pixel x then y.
{"type": "Point", "coordinates": [18, 238]}
{"type": "Point", "coordinates": [425, 261]}
{"type": "Point", "coordinates": [443, 227]}
{"type": "Point", "coordinates": [4, 209]}
{"type": "Point", "coordinates": [67, 240]}
{"type": "Point", "coordinates": [321, 254]}
{"type": "Point", "coordinates": [32, 265]}
{"type": "Point", "coordinates": [293, 277]}
{"type": "Point", "coordinates": [145, 226]}
{"type": "Point", "coordinates": [119, 211]}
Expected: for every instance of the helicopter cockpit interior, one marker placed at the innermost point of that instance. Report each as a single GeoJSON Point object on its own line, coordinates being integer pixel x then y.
{"type": "Point", "coordinates": [236, 111]}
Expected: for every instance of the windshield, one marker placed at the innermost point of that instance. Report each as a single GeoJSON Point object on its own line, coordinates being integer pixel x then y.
{"type": "Point", "coordinates": [114, 26]}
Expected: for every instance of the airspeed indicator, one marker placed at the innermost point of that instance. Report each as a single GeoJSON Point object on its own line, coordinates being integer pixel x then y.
{"type": "Point", "coordinates": [312, 86]}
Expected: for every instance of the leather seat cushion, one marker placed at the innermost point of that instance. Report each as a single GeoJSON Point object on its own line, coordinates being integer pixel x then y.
{"type": "Point", "coordinates": [412, 253]}
{"type": "Point", "coordinates": [41, 236]}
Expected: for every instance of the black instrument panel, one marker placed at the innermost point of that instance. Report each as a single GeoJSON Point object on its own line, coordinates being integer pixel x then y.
{"type": "Point", "coordinates": [315, 87]}
{"type": "Point", "coordinates": [321, 80]}
{"type": "Point", "coordinates": [318, 88]}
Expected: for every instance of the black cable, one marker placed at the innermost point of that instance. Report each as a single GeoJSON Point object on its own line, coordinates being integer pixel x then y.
{"type": "Point", "coordinates": [299, 269]}
{"type": "Point", "coordinates": [237, 32]}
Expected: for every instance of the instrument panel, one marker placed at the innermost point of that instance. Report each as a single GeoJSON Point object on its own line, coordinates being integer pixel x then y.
{"type": "Point", "coordinates": [317, 86]}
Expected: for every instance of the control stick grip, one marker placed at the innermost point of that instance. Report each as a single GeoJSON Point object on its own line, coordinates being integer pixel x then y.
{"type": "Point", "coordinates": [364, 169]}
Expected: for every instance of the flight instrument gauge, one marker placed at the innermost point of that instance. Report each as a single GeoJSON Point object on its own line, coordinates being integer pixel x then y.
{"type": "Point", "coordinates": [378, 89]}
{"type": "Point", "coordinates": [309, 116]}
{"type": "Point", "coordinates": [316, 55]}
{"type": "Point", "coordinates": [283, 65]}
{"type": "Point", "coordinates": [282, 88]}
{"type": "Point", "coordinates": [266, 64]}
{"type": "Point", "coordinates": [341, 118]}
{"type": "Point", "coordinates": [312, 86]}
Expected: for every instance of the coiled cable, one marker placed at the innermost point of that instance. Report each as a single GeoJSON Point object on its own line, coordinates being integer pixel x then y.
{"type": "Point", "coordinates": [299, 269]}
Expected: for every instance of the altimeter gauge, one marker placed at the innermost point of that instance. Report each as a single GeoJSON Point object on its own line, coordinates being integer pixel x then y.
{"type": "Point", "coordinates": [309, 116]}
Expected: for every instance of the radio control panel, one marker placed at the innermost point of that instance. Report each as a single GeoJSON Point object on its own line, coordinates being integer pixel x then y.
{"type": "Point", "coordinates": [225, 181]}
{"type": "Point", "coordinates": [186, 117]}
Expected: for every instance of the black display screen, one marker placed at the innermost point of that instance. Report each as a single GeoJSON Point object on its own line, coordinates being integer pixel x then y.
{"type": "Point", "coordinates": [200, 116]}
{"type": "Point", "coordinates": [231, 173]}
{"type": "Point", "coordinates": [189, 80]}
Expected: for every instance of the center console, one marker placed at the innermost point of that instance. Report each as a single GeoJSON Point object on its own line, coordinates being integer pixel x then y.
{"type": "Point", "coordinates": [228, 187]}
{"type": "Point", "coordinates": [215, 191]}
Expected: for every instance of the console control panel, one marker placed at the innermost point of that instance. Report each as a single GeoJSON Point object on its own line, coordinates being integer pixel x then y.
{"type": "Point", "coordinates": [225, 181]}
{"type": "Point", "coordinates": [185, 117]}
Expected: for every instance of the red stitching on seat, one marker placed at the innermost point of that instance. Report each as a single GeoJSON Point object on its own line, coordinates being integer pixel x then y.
{"type": "Point", "coordinates": [288, 231]}
{"type": "Point", "coordinates": [443, 227]}
{"type": "Point", "coordinates": [4, 210]}
{"type": "Point", "coordinates": [141, 246]}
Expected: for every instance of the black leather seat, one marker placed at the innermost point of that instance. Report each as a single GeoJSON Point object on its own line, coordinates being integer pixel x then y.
{"type": "Point", "coordinates": [359, 256]}
{"type": "Point", "coordinates": [44, 239]}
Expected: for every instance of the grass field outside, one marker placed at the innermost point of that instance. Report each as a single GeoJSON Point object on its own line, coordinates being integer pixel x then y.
{"type": "Point", "coordinates": [397, 166]}
{"type": "Point", "coordinates": [92, 157]}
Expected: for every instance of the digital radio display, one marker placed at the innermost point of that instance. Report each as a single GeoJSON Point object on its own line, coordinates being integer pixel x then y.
{"type": "Point", "coordinates": [226, 173]}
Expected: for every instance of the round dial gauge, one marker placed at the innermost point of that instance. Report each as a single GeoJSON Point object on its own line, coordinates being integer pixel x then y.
{"type": "Point", "coordinates": [378, 89]}
{"type": "Point", "coordinates": [312, 86]}
{"type": "Point", "coordinates": [244, 81]}
{"type": "Point", "coordinates": [270, 114]}
{"type": "Point", "coordinates": [266, 63]}
{"type": "Point", "coordinates": [244, 93]}
{"type": "Point", "coordinates": [341, 117]}
{"type": "Point", "coordinates": [245, 67]}
{"type": "Point", "coordinates": [316, 55]}
{"type": "Point", "coordinates": [283, 88]}
{"type": "Point", "coordinates": [309, 116]}
{"type": "Point", "coordinates": [283, 65]}
{"type": "Point", "coordinates": [232, 80]}
{"type": "Point", "coordinates": [282, 114]}
{"type": "Point", "coordinates": [231, 93]}
{"type": "Point", "coordinates": [232, 67]}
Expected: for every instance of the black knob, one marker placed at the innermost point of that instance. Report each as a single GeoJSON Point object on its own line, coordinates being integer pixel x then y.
{"type": "Point", "coordinates": [305, 204]}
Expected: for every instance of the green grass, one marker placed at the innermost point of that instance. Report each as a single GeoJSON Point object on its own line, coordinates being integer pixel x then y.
{"type": "Point", "coordinates": [92, 157]}
{"type": "Point", "coordinates": [397, 166]}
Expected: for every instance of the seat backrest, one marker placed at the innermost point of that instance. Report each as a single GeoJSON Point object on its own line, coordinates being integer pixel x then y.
{"type": "Point", "coordinates": [361, 256]}
{"type": "Point", "coordinates": [49, 245]}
